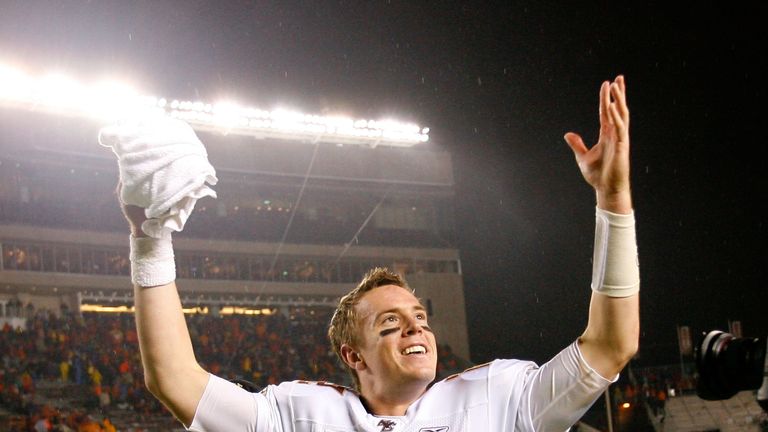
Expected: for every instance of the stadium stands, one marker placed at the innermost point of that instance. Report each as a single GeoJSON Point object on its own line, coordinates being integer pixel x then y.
{"type": "Point", "coordinates": [63, 238]}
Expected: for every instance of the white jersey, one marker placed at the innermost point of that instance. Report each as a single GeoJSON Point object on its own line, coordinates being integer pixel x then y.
{"type": "Point", "coordinates": [504, 395]}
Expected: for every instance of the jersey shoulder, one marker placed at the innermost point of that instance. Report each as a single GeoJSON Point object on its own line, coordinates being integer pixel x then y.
{"type": "Point", "coordinates": [475, 386]}
{"type": "Point", "coordinates": [491, 369]}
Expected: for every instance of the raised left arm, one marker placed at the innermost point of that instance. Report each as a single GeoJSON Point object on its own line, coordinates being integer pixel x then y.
{"type": "Point", "coordinates": [611, 337]}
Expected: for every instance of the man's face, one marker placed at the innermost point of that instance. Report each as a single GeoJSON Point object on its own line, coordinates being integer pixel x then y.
{"type": "Point", "coordinates": [396, 343]}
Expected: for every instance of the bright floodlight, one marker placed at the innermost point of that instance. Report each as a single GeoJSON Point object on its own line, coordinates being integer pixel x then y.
{"type": "Point", "coordinates": [109, 101]}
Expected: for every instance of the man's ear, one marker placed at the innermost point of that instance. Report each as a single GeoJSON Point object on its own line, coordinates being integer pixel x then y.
{"type": "Point", "coordinates": [352, 358]}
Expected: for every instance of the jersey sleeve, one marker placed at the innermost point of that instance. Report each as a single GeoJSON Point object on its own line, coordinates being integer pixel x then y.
{"type": "Point", "coordinates": [558, 393]}
{"type": "Point", "coordinates": [227, 407]}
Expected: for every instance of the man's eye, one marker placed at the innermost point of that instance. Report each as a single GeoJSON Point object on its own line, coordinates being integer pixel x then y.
{"type": "Point", "coordinates": [390, 318]}
{"type": "Point", "coordinates": [421, 316]}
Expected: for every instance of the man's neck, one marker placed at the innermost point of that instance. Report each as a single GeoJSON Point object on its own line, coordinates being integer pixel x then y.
{"type": "Point", "coordinates": [391, 402]}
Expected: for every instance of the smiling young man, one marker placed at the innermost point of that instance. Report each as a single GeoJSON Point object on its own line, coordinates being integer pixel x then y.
{"type": "Point", "coordinates": [381, 334]}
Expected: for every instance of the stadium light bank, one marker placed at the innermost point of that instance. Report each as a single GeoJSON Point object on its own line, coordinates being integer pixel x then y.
{"type": "Point", "coordinates": [109, 101]}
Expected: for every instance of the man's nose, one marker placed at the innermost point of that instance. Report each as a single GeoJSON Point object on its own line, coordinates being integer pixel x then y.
{"type": "Point", "coordinates": [412, 326]}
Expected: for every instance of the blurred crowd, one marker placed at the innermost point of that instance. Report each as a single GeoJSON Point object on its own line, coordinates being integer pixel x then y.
{"type": "Point", "coordinates": [98, 355]}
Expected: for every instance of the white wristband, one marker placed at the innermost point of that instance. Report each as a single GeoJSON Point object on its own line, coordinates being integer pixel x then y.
{"type": "Point", "coordinates": [615, 268]}
{"type": "Point", "coordinates": [152, 261]}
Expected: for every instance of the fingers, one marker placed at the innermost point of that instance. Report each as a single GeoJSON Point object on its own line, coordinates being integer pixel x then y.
{"type": "Point", "coordinates": [618, 92]}
{"type": "Point", "coordinates": [619, 112]}
{"type": "Point", "coordinates": [614, 116]}
{"type": "Point", "coordinates": [605, 102]}
{"type": "Point", "coordinates": [622, 84]}
{"type": "Point", "coordinates": [575, 143]}
{"type": "Point", "coordinates": [617, 119]}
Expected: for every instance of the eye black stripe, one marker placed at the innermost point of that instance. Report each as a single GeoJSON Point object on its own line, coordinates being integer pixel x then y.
{"type": "Point", "coordinates": [389, 331]}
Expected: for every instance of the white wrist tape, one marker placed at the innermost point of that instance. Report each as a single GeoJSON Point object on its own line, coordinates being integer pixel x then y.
{"type": "Point", "coordinates": [615, 268]}
{"type": "Point", "coordinates": [152, 261]}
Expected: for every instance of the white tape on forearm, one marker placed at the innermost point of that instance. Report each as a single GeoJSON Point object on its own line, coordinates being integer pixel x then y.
{"type": "Point", "coordinates": [152, 261]}
{"type": "Point", "coordinates": [615, 268]}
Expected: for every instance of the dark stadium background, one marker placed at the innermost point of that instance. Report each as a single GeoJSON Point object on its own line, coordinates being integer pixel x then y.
{"type": "Point", "coordinates": [498, 83]}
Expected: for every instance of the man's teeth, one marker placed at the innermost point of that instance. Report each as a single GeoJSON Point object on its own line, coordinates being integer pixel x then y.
{"type": "Point", "coordinates": [414, 350]}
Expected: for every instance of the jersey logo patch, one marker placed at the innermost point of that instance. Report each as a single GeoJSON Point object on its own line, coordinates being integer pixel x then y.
{"type": "Point", "coordinates": [435, 429]}
{"type": "Point", "coordinates": [387, 425]}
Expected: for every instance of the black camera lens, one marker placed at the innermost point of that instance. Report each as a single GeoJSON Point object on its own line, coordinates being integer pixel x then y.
{"type": "Point", "coordinates": [728, 365]}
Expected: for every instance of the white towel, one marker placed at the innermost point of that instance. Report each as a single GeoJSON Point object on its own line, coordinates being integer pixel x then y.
{"type": "Point", "coordinates": [163, 168]}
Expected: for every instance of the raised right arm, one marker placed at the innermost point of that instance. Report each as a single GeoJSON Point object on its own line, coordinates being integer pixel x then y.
{"type": "Point", "coordinates": [171, 371]}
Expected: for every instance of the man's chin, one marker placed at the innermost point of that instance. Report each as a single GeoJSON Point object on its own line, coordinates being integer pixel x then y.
{"type": "Point", "coordinates": [425, 376]}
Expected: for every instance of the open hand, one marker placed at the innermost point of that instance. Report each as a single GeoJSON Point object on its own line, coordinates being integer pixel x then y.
{"type": "Point", "coordinates": [605, 166]}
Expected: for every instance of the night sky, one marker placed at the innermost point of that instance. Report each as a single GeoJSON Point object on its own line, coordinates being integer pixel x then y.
{"type": "Point", "coordinates": [499, 85]}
